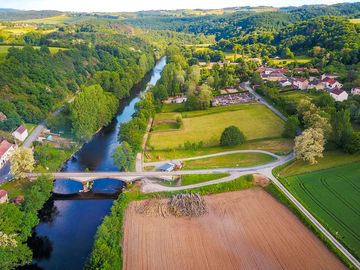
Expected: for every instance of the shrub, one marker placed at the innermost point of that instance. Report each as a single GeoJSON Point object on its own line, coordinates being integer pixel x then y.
{"type": "Point", "coordinates": [232, 136]}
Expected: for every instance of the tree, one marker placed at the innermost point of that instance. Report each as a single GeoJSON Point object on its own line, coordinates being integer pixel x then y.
{"type": "Point", "coordinates": [204, 97]}
{"type": "Point", "coordinates": [22, 162]}
{"type": "Point", "coordinates": [341, 127]}
{"type": "Point", "coordinates": [352, 143]}
{"type": "Point", "coordinates": [124, 157]}
{"type": "Point", "coordinates": [292, 125]}
{"type": "Point", "coordinates": [310, 145]}
{"type": "Point", "coordinates": [232, 136]}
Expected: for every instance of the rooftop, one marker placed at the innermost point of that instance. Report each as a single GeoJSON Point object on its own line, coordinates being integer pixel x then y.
{"type": "Point", "coordinates": [3, 193]}
{"type": "Point", "coordinates": [337, 91]}
{"type": "Point", "coordinates": [4, 147]}
{"type": "Point", "coordinates": [21, 129]}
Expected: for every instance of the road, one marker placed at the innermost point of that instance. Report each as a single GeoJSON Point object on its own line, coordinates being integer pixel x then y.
{"type": "Point", "coordinates": [159, 163]}
{"type": "Point", "coordinates": [263, 101]}
{"type": "Point", "coordinates": [37, 131]}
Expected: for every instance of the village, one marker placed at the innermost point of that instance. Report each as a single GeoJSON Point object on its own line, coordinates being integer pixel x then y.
{"type": "Point", "coordinates": [325, 82]}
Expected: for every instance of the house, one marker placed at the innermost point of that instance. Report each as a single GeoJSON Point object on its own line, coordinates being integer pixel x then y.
{"type": "Point", "coordinates": [339, 94]}
{"type": "Point", "coordinates": [6, 150]}
{"type": "Point", "coordinates": [2, 117]}
{"type": "Point", "coordinates": [301, 83]}
{"type": "Point", "coordinates": [355, 91]}
{"type": "Point", "coordinates": [316, 84]}
{"type": "Point", "coordinates": [273, 76]}
{"type": "Point", "coordinates": [285, 83]}
{"type": "Point", "coordinates": [330, 83]}
{"type": "Point", "coordinates": [313, 70]}
{"type": "Point", "coordinates": [330, 76]}
{"type": "Point", "coordinates": [20, 133]}
{"type": "Point", "coordinates": [18, 199]}
{"type": "Point", "coordinates": [3, 196]}
{"type": "Point", "coordinates": [167, 167]}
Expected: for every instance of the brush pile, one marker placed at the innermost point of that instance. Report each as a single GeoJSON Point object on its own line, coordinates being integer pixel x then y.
{"type": "Point", "coordinates": [187, 205]}
{"type": "Point", "coordinates": [152, 208]}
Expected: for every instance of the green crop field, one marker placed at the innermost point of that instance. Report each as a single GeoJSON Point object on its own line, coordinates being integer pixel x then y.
{"type": "Point", "coordinates": [255, 120]}
{"type": "Point", "coordinates": [333, 196]}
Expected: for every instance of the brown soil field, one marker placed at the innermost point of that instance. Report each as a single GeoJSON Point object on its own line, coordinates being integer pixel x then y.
{"type": "Point", "coordinates": [247, 229]}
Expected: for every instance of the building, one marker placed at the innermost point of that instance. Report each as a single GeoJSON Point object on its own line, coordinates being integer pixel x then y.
{"type": "Point", "coordinates": [331, 83]}
{"type": "Point", "coordinates": [3, 196]}
{"type": "Point", "coordinates": [167, 167]}
{"type": "Point", "coordinates": [20, 133]}
{"type": "Point", "coordinates": [330, 76]}
{"type": "Point", "coordinates": [2, 117]}
{"type": "Point", "coordinates": [6, 149]}
{"type": "Point", "coordinates": [316, 84]}
{"type": "Point", "coordinates": [301, 83]}
{"type": "Point", "coordinates": [355, 91]}
{"type": "Point", "coordinates": [339, 94]}
{"type": "Point", "coordinates": [18, 199]}
{"type": "Point", "coordinates": [285, 83]}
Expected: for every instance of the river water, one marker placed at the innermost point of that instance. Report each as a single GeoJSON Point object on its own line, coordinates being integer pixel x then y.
{"type": "Point", "coordinates": [65, 235]}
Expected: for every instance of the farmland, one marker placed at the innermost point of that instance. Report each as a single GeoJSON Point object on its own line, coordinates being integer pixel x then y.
{"type": "Point", "coordinates": [5, 48]}
{"type": "Point", "coordinates": [333, 196]}
{"type": "Point", "coordinates": [51, 20]}
{"type": "Point", "coordinates": [256, 121]}
{"type": "Point", "coordinates": [212, 241]}
{"type": "Point", "coordinates": [283, 62]}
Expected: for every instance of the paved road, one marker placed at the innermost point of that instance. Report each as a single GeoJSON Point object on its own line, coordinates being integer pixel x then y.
{"type": "Point", "coordinates": [158, 163]}
{"type": "Point", "coordinates": [37, 131]}
{"type": "Point", "coordinates": [263, 101]}
{"type": "Point", "coordinates": [34, 135]}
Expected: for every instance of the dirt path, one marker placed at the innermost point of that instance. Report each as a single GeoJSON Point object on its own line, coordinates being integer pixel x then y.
{"type": "Point", "coordinates": [243, 230]}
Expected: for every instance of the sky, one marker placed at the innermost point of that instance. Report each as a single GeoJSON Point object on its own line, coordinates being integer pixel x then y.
{"type": "Point", "coordinates": [136, 5]}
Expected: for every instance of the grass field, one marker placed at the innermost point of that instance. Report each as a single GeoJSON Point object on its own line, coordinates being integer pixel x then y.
{"type": "Point", "coordinates": [331, 159]}
{"type": "Point", "coordinates": [50, 20]}
{"type": "Point", "coordinates": [229, 161]}
{"type": "Point", "coordinates": [356, 21]}
{"type": "Point", "coordinates": [279, 146]}
{"type": "Point", "coordinates": [5, 48]}
{"type": "Point", "coordinates": [16, 187]}
{"type": "Point", "coordinates": [297, 96]}
{"type": "Point", "coordinates": [190, 179]}
{"type": "Point", "coordinates": [255, 121]}
{"type": "Point", "coordinates": [282, 62]}
{"type": "Point", "coordinates": [333, 196]}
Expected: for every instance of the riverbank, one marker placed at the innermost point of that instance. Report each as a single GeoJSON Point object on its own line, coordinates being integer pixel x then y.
{"type": "Point", "coordinates": [66, 233]}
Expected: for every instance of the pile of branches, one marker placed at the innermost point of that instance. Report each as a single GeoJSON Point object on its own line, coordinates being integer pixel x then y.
{"type": "Point", "coordinates": [187, 205]}
{"type": "Point", "coordinates": [152, 208]}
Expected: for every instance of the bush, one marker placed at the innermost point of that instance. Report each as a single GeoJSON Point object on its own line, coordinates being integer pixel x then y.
{"type": "Point", "coordinates": [232, 136]}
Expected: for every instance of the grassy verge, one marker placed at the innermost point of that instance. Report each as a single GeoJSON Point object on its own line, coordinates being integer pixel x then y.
{"type": "Point", "coordinates": [191, 179]}
{"type": "Point", "coordinates": [280, 146]}
{"type": "Point", "coordinates": [275, 192]}
{"type": "Point", "coordinates": [229, 161]}
{"type": "Point", "coordinates": [107, 249]}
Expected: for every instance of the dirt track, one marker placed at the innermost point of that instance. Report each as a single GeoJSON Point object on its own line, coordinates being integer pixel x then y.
{"type": "Point", "coordinates": [243, 230]}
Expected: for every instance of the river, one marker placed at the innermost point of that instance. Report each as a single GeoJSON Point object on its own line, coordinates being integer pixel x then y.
{"type": "Point", "coordinates": [65, 235]}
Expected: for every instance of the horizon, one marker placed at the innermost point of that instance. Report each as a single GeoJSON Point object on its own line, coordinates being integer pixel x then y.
{"type": "Point", "coordinates": [110, 6]}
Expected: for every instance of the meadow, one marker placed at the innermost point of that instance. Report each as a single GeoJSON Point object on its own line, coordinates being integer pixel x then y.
{"type": "Point", "coordinates": [332, 195]}
{"type": "Point", "coordinates": [50, 20]}
{"type": "Point", "coordinates": [237, 160]}
{"type": "Point", "coordinates": [5, 48]}
{"type": "Point", "coordinates": [255, 121]}
{"type": "Point", "coordinates": [283, 62]}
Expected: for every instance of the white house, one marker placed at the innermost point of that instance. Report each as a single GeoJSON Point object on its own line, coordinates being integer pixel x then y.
{"type": "Point", "coordinates": [355, 91]}
{"type": "Point", "coordinates": [339, 94]}
{"type": "Point", "coordinates": [6, 149]}
{"type": "Point", "coordinates": [301, 83]}
{"type": "Point", "coordinates": [331, 83]}
{"type": "Point", "coordinates": [20, 133]}
{"type": "Point", "coordinates": [285, 83]}
{"type": "Point", "coordinates": [3, 196]}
